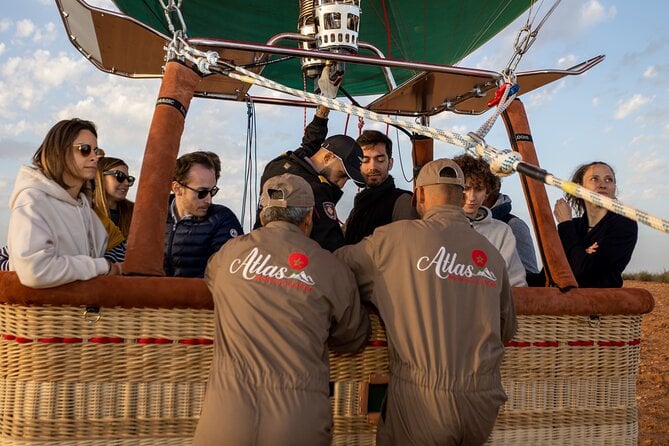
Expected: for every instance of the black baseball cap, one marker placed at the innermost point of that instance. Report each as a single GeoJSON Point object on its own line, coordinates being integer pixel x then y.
{"type": "Point", "coordinates": [349, 152]}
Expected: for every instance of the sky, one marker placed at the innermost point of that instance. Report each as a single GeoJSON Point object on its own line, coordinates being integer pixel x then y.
{"type": "Point", "coordinates": [617, 112]}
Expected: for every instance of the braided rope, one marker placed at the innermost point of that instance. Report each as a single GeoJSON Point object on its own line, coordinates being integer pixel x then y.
{"type": "Point", "coordinates": [611, 204]}
{"type": "Point", "coordinates": [502, 162]}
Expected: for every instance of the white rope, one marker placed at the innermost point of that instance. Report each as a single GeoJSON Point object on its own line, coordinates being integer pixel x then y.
{"type": "Point", "coordinates": [611, 204]}
{"type": "Point", "coordinates": [502, 162]}
{"type": "Point", "coordinates": [463, 141]}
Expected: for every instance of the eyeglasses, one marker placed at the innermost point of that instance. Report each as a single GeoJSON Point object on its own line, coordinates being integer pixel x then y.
{"type": "Point", "coordinates": [202, 193]}
{"type": "Point", "coordinates": [120, 176]}
{"type": "Point", "coordinates": [86, 149]}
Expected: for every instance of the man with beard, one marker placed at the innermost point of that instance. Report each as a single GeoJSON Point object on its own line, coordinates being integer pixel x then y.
{"type": "Point", "coordinates": [380, 202]}
{"type": "Point", "coordinates": [326, 164]}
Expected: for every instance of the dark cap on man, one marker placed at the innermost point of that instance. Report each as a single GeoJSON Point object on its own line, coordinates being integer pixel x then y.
{"type": "Point", "coordinates": [441, 171]}
{"type": "Point", "coordinates": [288, 190]}
{"type": "Point", "coordinates": [349, 152]}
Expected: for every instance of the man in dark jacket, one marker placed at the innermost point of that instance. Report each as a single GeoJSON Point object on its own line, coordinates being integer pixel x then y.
{"type": "Point", "coordinates": [326, 165]}
{"type": "Point", "coordinates": [195, 227]}
{"type": "Point", "coordinates": [380, 202]}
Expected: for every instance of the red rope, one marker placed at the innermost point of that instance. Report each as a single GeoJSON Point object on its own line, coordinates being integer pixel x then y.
{"type": "Point", "coordinates": [385, 19]}
{"type": "Point", "coordinates": [346, 125]}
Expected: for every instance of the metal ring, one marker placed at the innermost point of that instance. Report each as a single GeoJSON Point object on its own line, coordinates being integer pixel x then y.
{"type": "Point", "coordinates": [92, 314]}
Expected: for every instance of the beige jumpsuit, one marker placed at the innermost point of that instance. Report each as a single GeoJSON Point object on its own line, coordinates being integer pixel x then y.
{"type": "Point", "coordinates": [280, 300]}
{"type": "Point", "coordinates": [443, 292]}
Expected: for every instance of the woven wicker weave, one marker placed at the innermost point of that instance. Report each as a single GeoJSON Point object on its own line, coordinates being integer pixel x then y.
{"type": "Point", "coordinates": [137, 377]}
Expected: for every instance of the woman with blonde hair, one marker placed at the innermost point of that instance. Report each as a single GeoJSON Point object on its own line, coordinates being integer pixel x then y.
{"type": "Point", "coordinates": [112, 183]}
{"type": "Point", "coordinates": [54, 235]}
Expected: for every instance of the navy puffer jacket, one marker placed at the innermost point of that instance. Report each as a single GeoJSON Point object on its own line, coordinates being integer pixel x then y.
{"type": "Point", "coordinates": [191, 241]}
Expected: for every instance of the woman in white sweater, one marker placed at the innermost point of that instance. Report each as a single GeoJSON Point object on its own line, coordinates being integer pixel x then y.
{"type": "Point", "coordinates": [54, 235]}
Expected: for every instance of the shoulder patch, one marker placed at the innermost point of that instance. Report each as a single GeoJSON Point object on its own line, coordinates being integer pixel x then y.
{"type": "Point", "coordinates": [330, 210]}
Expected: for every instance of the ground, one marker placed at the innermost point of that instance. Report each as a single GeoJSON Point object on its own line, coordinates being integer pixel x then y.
{"type": "Point", "coordinates": [653, 383]}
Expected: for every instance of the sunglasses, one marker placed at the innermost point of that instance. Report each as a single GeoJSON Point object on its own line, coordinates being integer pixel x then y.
{"type": "Point", "coordinates": [202, 193]}
{"type": "Point", "coordinates": [120, 176]}
{"type": "Point", "coordinates": [86, 149]}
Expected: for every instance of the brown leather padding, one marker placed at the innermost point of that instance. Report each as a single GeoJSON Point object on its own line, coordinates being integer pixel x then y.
{"type": "Point", "coordinates": [112, 291]}
{"type": "Point", "coordinates": [422, 152]}
{"type": "Point", "coordinates": [181, 292]}
{"type": "Point", "coordinates": [144, 254]}
{"type": "Point", "coordinates": [582, 301]}
{"type": "Point", "coordinates": [550, 247]}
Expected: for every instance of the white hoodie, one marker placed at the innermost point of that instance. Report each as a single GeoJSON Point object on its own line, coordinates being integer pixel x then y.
{"type": "Point", "coordinates": [501, 236]}
{"type": "Point", "coordinates": [53, 238]}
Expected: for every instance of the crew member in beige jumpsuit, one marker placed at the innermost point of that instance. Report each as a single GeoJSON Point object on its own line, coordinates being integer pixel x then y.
{"type": "Point", "coordinates": [280, 301]}
{"type": "Point", "coordinates": [443, 292]}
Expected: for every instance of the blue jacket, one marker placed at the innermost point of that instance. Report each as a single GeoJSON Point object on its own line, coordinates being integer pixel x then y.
{"type": "Point", "coordinates": [190, 241]}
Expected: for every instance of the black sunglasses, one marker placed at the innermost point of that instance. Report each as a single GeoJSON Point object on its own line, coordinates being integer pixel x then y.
{"type": "Point", "coordinates": [86, 149]}
{"type": "Point", "coordinates": [202, 193]}
{"type": "Point", "coordinates": [120, 176]}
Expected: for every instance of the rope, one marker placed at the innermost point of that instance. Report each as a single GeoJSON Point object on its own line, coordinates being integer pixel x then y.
{"type": "Point", "coordinates": [465, 141]}
{"type": "Point", "coordinates": [502, 162]}
{"type": "Point", "coordinates": [250, 191]}
{"type": "Point", "coordinates": [608, 203]}
{"type": "Point", "coordinates": [526, 37]}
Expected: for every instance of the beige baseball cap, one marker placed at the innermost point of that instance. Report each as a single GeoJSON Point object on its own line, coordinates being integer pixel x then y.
{"type": "Point", "coordinates": [294, 192]}
{"type": "Point", "coordinates": [441, 171]}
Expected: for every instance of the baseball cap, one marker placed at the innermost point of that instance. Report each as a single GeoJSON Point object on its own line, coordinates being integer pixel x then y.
{"type": "Point", "coordinates": [441, 171]}
{"type": "Point", "coordinates": [349, 152]}
{"type": "Point", "coordinates": [294, 191]}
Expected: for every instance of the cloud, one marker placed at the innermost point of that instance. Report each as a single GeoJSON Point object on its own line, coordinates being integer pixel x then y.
{"type": "Point", "coordinates": [567, 61]}
{"type": "Point", "coordinates": [652, 48]}
{"type": "Point", "coordinates": [593, 12]}
{"type": "Point", "coordinates": [46, 34]}
{"type": "Point", "coordinates": [655, 192]}
{"type": "Point", "coordinates": [647, 163]}
{"type": "Point", "coordinates": [545, 94]}
{"type": "Point", "coordinates": [643, 176]}
{"type": "Point", "coordinates": [569, 23]}
{"type": "Point", "coordinates": [625, 108]}
{"type": "Point", "coordinates": [650, 72]}
{"type": "Point", "coordinates": [11, 149]}
{"type": "Point", "coordinates": [28, 81]}
{"type": "Point", "coordinates": [595, 101]}
{"type": "Point", "coordinates": [5, 24]}
{"type": "Point", "coordinates": [25, 28]}
{"type": "Point", "coordinates": [2, 48]}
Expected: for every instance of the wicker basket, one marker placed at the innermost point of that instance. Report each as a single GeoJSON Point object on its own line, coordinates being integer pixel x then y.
{"type": "Point", "coordinates": [133, 377]}
{"type": "Point", "coordinates": [137, 376]}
